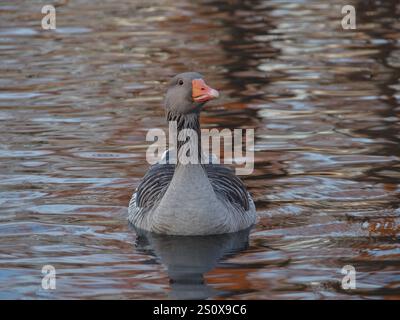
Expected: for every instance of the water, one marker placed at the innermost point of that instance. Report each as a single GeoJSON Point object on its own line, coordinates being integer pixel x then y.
{"type": "Point", "coordinates": [76, 103]}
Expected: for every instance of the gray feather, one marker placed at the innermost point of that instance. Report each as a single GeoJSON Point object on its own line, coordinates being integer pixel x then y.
{"type": "Point", "coordinates": [226, 185]}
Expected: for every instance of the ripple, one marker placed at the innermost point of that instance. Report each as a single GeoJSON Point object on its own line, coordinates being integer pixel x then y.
{"type": "Point", "coordinates": [72, 30]}
{"type": "Point", "coordinates": [18, 32]}
{"type": "Point", "coordinates": [19, 95]}
{"type": "Point", "coordinates": [77, 102]}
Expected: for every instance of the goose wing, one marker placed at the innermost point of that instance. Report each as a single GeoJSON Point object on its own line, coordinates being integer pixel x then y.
{"type": "Point", "coordinates": [228, 186]}
{"type": "Point", "coordinates": [154, 184]}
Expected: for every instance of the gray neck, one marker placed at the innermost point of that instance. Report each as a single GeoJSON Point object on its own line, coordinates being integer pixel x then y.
{"type": "Point", "coordinates": [187, 121]}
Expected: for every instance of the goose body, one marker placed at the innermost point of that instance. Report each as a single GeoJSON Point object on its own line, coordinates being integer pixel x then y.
{"type": "Point", "coordinates": [193, 198]}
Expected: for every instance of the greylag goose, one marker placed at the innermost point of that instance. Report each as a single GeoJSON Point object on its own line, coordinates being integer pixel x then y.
{"type": "Point", "coordinates": [190, 198]}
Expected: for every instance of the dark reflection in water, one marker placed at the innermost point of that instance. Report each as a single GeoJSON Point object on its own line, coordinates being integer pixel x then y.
{"type": "Point", "coordinates": [187, 259]}
{"type": "Point", "coordinates": [76, 104]}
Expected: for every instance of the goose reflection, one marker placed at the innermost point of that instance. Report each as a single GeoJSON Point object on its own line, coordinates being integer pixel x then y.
{"type": "Point", "coordinates": [188, 258]}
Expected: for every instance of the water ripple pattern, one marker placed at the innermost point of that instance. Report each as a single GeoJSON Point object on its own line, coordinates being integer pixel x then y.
{"type": "Point", "coordinates": [76, 103]}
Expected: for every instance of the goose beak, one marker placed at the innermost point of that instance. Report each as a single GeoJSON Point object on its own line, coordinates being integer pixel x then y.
{"type": "Point", "coordinates": [202, 92]}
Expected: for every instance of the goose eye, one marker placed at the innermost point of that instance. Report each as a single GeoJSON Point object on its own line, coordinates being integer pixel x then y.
{"type": "Point", "coordinates": [180, 82]}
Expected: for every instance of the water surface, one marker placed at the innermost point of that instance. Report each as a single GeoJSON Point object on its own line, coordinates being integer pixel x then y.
{"type": "Point", "coordinates": [76, 104]}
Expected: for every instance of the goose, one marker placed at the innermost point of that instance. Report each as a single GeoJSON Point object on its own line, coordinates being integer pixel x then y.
{"type": "Point", "coordinates": [189, 198]}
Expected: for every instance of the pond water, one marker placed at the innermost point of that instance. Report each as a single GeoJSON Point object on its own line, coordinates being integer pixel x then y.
{"type": "Point", "coordinates": [76, 104]}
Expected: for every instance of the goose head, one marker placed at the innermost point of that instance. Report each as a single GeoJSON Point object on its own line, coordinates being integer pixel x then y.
{"type": "Point", "coordinates": [187, 93]}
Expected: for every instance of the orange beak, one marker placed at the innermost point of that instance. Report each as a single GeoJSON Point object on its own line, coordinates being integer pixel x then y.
{"type": "Point", "coordinates": [202, 92]}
